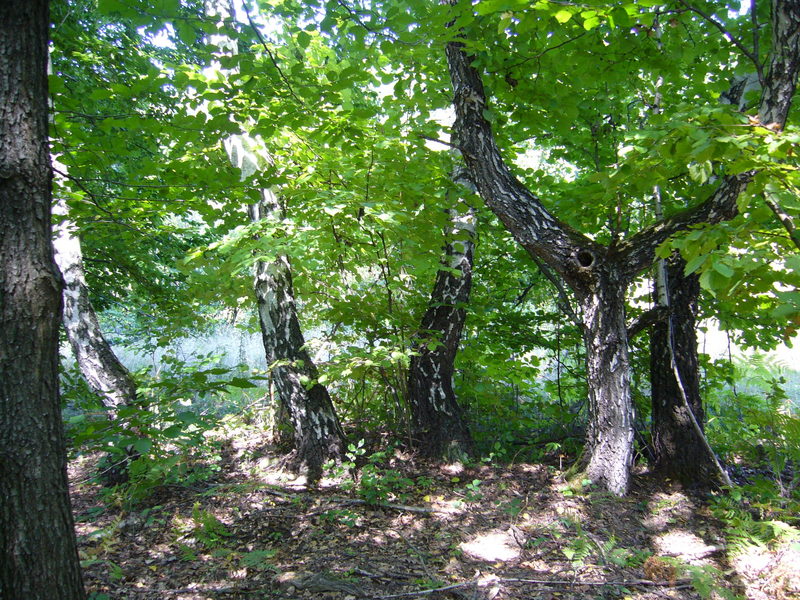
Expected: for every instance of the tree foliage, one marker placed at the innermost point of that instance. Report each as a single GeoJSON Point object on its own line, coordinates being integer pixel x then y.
{"type": "Point", "coordinates": [592, 106]}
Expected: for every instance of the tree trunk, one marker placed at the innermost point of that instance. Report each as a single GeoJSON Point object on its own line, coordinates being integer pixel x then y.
{"type": "Point", "coordinates": [39, 558]}
{"type": "Point", "coordinates": [609, 439]}
{"type": "Point", "coordinates": [437, 420]}
{"type": "Point", "coordinates": [101, 368]}
{"type": "Point", "coordinates": [679, 451]}
{"type": "Point", "coordinates": [318, 435]}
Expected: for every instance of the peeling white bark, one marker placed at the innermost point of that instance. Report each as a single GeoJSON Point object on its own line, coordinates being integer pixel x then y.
{"type": "Point", "coordinates": [438, 422]}
{"type": "Point", "coordinates": [101, 368]}
{"type": "Point", "coordinates": [318, 435]}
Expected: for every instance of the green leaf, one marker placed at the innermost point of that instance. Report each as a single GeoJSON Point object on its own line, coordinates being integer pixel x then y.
{"type": "Point", "coordinates": [563, 16]}
{"type": "Point", "coordinates": [694, 264]}
{"type": "Point", "coordinates": [241, 382]}
{"type": "Point", "coordinates": [303, 39]}
{"type": "Point", "coordinates": [591, 23]}
{"type": "Point", "coordinates": [701, 171]}
{"type": "Point", "coordinates": [142, 446]}
{"type": "Point", "coordinates": [723, 269]}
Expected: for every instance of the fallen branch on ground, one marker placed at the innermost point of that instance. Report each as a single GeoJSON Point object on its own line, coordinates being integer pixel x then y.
{"type": "Point", "coordinates": [485, 581]}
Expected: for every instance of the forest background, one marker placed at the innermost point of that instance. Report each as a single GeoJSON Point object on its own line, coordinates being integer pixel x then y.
{"type": "Point", "coordinates": [196, 145]}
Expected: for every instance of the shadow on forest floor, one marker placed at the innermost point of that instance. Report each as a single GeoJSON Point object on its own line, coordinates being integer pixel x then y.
{"type": "Point", "coordinates": [483, 533]}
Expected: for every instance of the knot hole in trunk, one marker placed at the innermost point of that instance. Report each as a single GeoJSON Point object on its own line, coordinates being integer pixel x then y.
{"type": "Point", "coordinates": [585, 258]}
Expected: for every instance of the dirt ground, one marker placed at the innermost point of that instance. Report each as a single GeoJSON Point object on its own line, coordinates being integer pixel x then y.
{"type": "Point", "coordinates": [441, 531]}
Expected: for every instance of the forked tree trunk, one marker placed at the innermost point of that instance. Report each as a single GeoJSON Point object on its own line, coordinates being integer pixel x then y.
{"type": "Point", "coordinates": [680, 452]}
{"type": "Point", "coordinates": [105, 374]}
{"type": "Point", "coordinates": [38, 552]}
{"type": "Point", "coordinates": [318, 435]}
{"type": "Point", "coordinates": [438, 421]}
{"type": "Point", "coordinates": [597, 274]}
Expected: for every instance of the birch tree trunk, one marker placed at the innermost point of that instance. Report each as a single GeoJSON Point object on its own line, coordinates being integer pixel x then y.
{"type": "Point", "coordinates": [608, 454]}
{"type": "Point", "coordinates": [318, 436]}
{"type": "Point", "coordinates": [438, 421]}
{"type": "Point", "coordinates": [38, 552]}
{"type": "Point", "coordinates": [105, 374]}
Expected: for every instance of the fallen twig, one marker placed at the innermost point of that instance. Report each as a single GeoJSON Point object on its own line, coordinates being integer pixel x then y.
{"type": "Point", "coordinates": [554, 582]}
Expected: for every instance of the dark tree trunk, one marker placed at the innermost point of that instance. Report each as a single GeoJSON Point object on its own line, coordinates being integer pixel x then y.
{"type": "Point", "coordinates": [318, 435]}
{"type": "Point", "coordinates": [105, 374]}
{"type": "Point", "coordinates": [680, 452]}
{"type": "Point", "coordinates": [438, 421]}
{"type": "Point", "coordinates": [39, 559]}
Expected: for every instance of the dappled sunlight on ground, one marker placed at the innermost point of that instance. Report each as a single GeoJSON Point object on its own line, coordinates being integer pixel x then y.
{"type": "Point", "coordinates": [472, 532]}
{"type": "Point", "coordinates": [770, 574]}
{"type": "Point", "coordinates": [682, 544]}
{"type": "Point", "coordinates": [492, 546]}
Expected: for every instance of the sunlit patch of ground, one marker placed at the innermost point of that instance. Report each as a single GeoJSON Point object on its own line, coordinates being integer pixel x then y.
{"type": "Point", "coordinates": [493, 546]}
{"type": "Point", "coordinates": [770, 574]}
{"type": "Point", "coordinates": [683, 544]}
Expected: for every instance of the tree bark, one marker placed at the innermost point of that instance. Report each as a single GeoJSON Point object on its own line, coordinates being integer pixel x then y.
{"type": "Point", "coordinates": [318, 436]}
{"type": "Point", "coordinates": [105, 374]}
{"type": "Point", "coordinates": [438, 423]}
{"type": "Point", "coordinates": [39, 558]}
{"type": "Point", "coordinates": [597, 274]}
{"type": "Point", "coordinates": [608, 454]}
{"type": "Point", "coordinates": [679, 451]}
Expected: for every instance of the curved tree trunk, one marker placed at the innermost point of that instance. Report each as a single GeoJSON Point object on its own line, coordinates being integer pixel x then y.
{"type": "Point", "coordinates": [680, 453]}
{"type": "Point", "coordinates": [318, 436]}
{"type": "Point", "coordinates": [437, 419]}
{"type": "Point", "coordinates": [105, 374]}
{"type": "Point", "coordinates": [38, 553]}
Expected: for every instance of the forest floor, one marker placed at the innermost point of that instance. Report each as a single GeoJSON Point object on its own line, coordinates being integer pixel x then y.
{"type": "Point", "coordinates": [482, 532]}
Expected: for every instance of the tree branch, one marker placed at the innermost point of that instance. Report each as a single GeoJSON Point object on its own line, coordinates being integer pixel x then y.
{"type": "Point", "coordinates": [785, 218]}
{"type": "Point", "coordinates": [779, 86]}
{"type": "Point", "coordinates": [564, 303]}
{"type": "Point", "coordinates": [647, 319]}
{"type": "Point", "coordinates": [729, 36]}
{"type": "Point", "coordinates": [270, 54]}
{"type": "Point", "coordinates": [543, 235]}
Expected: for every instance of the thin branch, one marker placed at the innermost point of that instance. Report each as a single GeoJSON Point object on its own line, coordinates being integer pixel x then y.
{"type": "Point", "coordinates": [437, 140]}
{"type": "Point", "coordinates": [565, 305]}
{"type": "Point", "coordinates": [428, 591]}
{"type": "Point", "coordinates": [645, 320]}
{"type": "Point", "coordinates": [556, 582]}
{"type": "Point", "coordinates": [355, 16]}
{"type": "Point", "coordinates": [577, 583]}
{"type": "Point", "coordinates": [159, 186]}
{"type": "Point", "coordinates": [546, 50]}
{"type": "Point", "coordinates": [754, 20]}
{"type": "Point", "coordinates": [270, 54]}
{"type": "Point", "coordinates": [729, 36]}
{"type": "Point", "coordinates": [785, 218]}
{"type": "Point", "coordinates": [723, 474]}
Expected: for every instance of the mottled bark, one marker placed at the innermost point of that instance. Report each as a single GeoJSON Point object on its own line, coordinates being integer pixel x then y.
{"type": "Point", "coordinates": [437, 419]}
{"type": "Point", "coordinates": [608, 454]}
{"type": "Point", "coordinates": [105, 374]}
{"type": "Point", "coordinates": [679, 450]}
{"type": "Point", "coordinates": [600, 275]}
{"type": "Point", "coordinates": [318, 435]}
{"type": "Point", "coordinates": [38, 553]}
